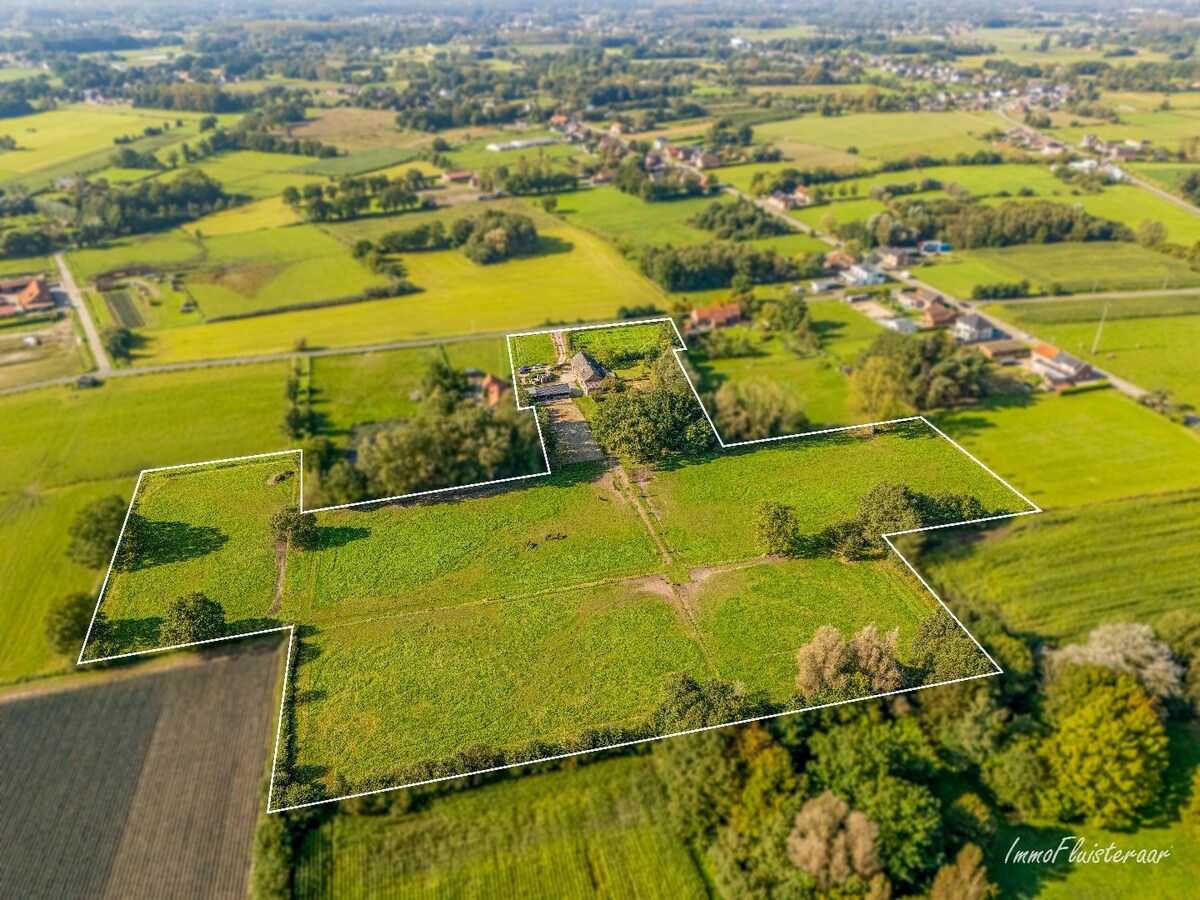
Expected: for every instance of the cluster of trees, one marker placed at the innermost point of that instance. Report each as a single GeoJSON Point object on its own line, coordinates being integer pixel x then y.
{"type": "Point", "coordinates": [755, 407]}
{"type": "Point", "coordinates": [717, 265]}
{"type": "Point", "coordinates": [102, 210]}
{"type": "Point", "coordinates": [899, 373]}
{"type": "Point", "coordinates": [787, 180]}
{"type": "Point", "coordinates": [190, 97]}
{"type": "Point", "coordinates": [128, 158]}
{"type": "Point", "coordinates": [350, 197]}
{"type": "Point", "coordinates": [885, 509]}
{"type": "Point", "coordinates": [537, 176]}
{"type": "Point", "coordinates": [739, 221]}
{"type": "Point", "coordinates": [632, 177]}
{"type": "Point", "coordinates": [222, 140]}
{"type": "Point", "coordinates": [1002, 290]}
{"type": "Point", "coordinates": [647, 425]}
{"type": "Point", "coordinates": [489, 237]}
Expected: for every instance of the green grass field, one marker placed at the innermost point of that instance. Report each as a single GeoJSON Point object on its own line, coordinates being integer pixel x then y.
{"type": "Point", "coordinates": [1140, 341]}
{"type": "Point", "coordinates": [602, 830]}
{"type": "Point", "coordinates": [1078, 267]}
{"type": "Point", "coordinates": [579, 278]}
{"type": "Point", "coordinates": [1063, 573]}
{"type": "Point", "coordinates": [1079, 448]}
{"type": "Point", "coordinates": [206, 530]}
{"type": "Point", "coordinates": [819, 388]}
{"type": "Point", "coordinates": [617, 216]}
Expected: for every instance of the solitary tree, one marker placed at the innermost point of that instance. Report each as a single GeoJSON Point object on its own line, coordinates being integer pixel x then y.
{"type": "Point", "coordinates": [775, 527]}
{"type": "Point", "coordinates": [192, 618]}
{"type": "Point", "coordinates": [94, 530]}
{"type": "Point", "coordinates": [117, 341]}
{"type": "Point", "coordinates": [66, 621]}
{"type": "Point", "coordinates": [298, 529]}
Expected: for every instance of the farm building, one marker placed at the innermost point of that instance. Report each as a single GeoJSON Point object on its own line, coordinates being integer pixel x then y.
{"type": "Point", "coordinates": [458, 176]}
{"type": "Point", "coordinates": [588, 371]}
{"type": "Point", "coordinates": [493, 389]}
{"type": "Point", "coordinates": [554, 391]}
{"type": "Point", "coordinates": [1060, 368]}
{"type": "Point", "coordinates": [1006, 352]}
{"type": "Point", "coordinates": [904, 326]}
{"type": "Point", "coordinates": [706, 318]}
{"type": "Point", "coordinates": [971, 328]}
{"type": "Point", "coordinates": [937, 314]}
{"type": "Point", "coordinates": [19, 296]}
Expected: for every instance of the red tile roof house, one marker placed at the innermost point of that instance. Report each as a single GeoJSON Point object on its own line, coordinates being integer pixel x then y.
{"type": "Point", "coordinates": [36, 296]}
{"type": "Point", "coordinates": [1060, 368]}
{"type": "Point", "coordinates": [8, 308]}
{"type": "Point", "coordinates": [936, 314]}
{"type": "Point", "coordinates": [493, 388]}
{"type": "Point", "coordinates": [706, 318]}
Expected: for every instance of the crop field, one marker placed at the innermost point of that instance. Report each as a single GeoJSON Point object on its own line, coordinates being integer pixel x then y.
{"type": "Point", "coordinates": [882, 136]}
{"type": "Point", "coordinates": [1164, 128]}
{"type": "Point", "coordinates": [271, 212]}
{"type": "Point", "coordinates": [378, 387]}
{"type": "Point", "coordinates": [98, 770]}
{"type": "Point", "coordinates": [982, 181]}
{"type": "Point", "coordinates": [1141, 339]}
{"type": "Point", "coordinates": [583, 626]}
{"type": "Point", "coordinates": [356, 129]}
{"type": "Point", "coordinates": [1064, 450]}
{"type": "Point", "coordinates": [619, 216]}
{"type": "Point", "coordinates": [600, 830]}
{"type": "Point", "coordinates": [206, 529]}
{"type": "Point", "coordinates": [1078, 267]}
{"type": "Point", "coordinates": [579, 278]}
{"type": "Point", "coordinates": [1063, 573]}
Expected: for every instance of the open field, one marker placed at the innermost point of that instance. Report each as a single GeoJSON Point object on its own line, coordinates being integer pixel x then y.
{"type": "Point", "coordinates": [1078, 267]}
{"type": "Point", "coordinates": [356, 129]}
{"type": "Point", "coordinates": [583, 626]}
{"type": "Point", "coordinates": [271, 212]}
{"type": "Point", "coordinates": [1063, 573]}
{"type": "Point", "coordinates": [1141, 339]}
{"type": "Point", "coordinates": [619, 216]}
{"type": "Point", "coordinates": [1078, 448]}
{"type": "Point", "coordinates": [602, 830]}
{"type": "Point", "coordinates": [882, 135]}
{"type": "Point", "coordinates": [578, 278]}
{"type": "Point", "coordinates": [99, 773]}
{"type": "Point", "coordinates": [206, 530]}
{"type": "Point", "coordinates": [254, 174]}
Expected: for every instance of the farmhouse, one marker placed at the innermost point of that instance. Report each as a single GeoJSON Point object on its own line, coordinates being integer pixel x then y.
{"type": "Point", "coordinates": [937, 314]}
{"type": "Point", "coordinates": [971, 328]}
{"type": "Point", "coordinates": [1005, 352]}
{"type": "Point", "coordinates": [493, 388]}
{"type": "Point", "coordinates": [706, 318]}
{"type": "Point", "coordinates": [1059, 368]}
{"type": "Point", "coordinates": [19, 296]}
{"type": "Point", "coordinates": [588, 371]}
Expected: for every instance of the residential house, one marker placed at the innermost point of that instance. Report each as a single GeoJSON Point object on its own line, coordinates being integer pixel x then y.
{"type": "Point", "coordinates": [894, 257]}
{"type": "Point", "coordinates": [706, 318]}
{"type": "Point", "coordinates": [780, 202]}
{"type": "Point", "coordinates": [493, 388]}
{"type": "Point", "coordinates": [8, 308]}
{"type": "Point", "coordinates": [1005, 352]}
{"type": "Point", "coordinates": [588, 371]}
{"type": "Point", "coordinates": [862, 275]}
{"type": "Point", "coordinates": [938, 314]}
{"type": "Point", "coordinates": [972, 327]}
{"type": "Point", "coordinates": [1060, 368]}
{"type": "Point", "coordinates": [602, 178]}
{"type": "Point", "coordinates": [458, 176]}
{"type": "Point", "coordinates": [917, 299]}
{"type": "Point", "coordinates": [36, 296]}
{"type": "Point", "coordinates": [904, 326]}
{"type": "Point", "coordinates": [839, 261]}
{"type": "Point", "coordinates": [708, 161]}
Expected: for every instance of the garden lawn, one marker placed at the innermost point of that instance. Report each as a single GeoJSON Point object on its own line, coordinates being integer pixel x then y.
{"type": "Point", "coordinates": [1077, 267]}
{"type": "Point", "coordinates": [206, 529]}
{"type": "Point", "coordinates": [601, 829]}
{"type": "Point", "coordinates": [1089, 447]}
{"type": "Point", "coordinates": [1063, 573]}
{"type": "Point", "coordinates": [1154, 351]}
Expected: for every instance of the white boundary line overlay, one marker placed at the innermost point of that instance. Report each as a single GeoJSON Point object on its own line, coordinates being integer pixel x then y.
{"type": "Point", "coordinates": [291, 629]}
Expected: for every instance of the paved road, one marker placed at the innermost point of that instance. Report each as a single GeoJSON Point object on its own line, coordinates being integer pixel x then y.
{"type": "Point", "coordinates": [103, 366]}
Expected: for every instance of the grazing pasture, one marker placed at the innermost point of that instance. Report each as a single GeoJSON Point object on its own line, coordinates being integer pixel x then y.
{"type": "Point", "coordinates": [553, 835]}
{"type": "Point", "coordinates": [620, 217]}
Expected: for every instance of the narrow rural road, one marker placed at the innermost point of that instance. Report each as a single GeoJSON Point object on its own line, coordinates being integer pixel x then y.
{"type": "Point", "coordinates": [103, 366]}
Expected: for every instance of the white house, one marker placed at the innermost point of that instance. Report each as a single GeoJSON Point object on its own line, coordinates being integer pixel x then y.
{"type": "Point", "coordinates": [863, 275]}
{"type": "Point", "coordinates": [971, 328]}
